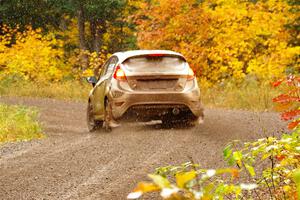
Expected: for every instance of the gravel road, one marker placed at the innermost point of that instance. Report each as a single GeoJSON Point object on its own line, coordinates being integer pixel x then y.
{"type": "Point", "coordinates": [72, 163]}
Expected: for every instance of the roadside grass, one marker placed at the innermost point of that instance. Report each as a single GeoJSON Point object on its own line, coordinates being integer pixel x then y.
{"type": "Point", "coordinates": [18, 123]}
{"type": "Point", "coordinates": [67, 90]}
{"type": "Point", "coordinates": [249, 95]}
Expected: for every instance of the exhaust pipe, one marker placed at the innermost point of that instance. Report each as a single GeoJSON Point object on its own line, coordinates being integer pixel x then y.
{"type": "Point", "coordinates": [175, 111]}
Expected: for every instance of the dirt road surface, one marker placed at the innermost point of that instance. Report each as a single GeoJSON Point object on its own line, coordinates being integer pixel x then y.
{"type": "Point", "coordinates": [72, 163]}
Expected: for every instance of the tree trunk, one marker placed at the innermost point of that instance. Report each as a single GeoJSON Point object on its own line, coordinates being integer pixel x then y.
{"type": "Point", "coordinates": [93, 29]}
{"type": "Point", "coordinates": [81, 31]}
{"type": "Point", "coordinates": [101, 29]}
{"type": "Point", "coordinates": [95, 36]}
{"type": "Point", "coordinates": [122, 38]}
{"type": "Point", "coordinates": [97, 41]}
{"type": "Point", "coordinates": [98, 28]}
{"type": "Point", "coordinates": [81, 28]}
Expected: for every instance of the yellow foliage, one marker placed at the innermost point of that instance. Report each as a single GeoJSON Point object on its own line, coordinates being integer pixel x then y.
{"type": "Point", "coordinates": [34, 56]}
{"type": "Point", "coordinates": [86, 63]}
{"type": "Point", "coordinates": [83, 62]}
{"type": "Point", "coordinates": [31, 55]}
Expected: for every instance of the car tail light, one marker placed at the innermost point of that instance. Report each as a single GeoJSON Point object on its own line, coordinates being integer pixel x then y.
{"type": "Point", "coordinates": [191, 74]}
{"type": "Point", "coordinates": [119, 74]}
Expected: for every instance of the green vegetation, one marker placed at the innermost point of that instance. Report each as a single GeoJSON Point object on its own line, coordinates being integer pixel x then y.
{"type": "Point", "coordinates": [95, 19]}
{"type": "Point", "coordinates": [18, 123]}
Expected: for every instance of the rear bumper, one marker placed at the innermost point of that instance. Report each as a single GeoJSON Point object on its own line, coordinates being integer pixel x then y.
{"type": "Point", "coordinates": [156, 102]}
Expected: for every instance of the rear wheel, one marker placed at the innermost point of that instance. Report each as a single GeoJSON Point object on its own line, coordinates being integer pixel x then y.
{"type": "Point", "coordinates": [92, 123]}
{"type": "Point", "coordinates": [107, 116]}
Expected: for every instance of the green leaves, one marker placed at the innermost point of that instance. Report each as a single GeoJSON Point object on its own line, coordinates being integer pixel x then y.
{"type": "Point", "coordinates": [227, 151]}
{"type": "Point", "coordinates": [238, 156]}
{"type": "Point", "coordinates": [227, 154]}
{"type": "Point", "coordinates": [250, 169]}
{"type": "Point", "coordinates": [18, 123]}
{"type": "Point", "coordinates": [160, 181]}
{"type": "Point", "coordinates": [296, 178]}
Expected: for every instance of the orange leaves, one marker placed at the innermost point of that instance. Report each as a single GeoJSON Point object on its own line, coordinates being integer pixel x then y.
{"type": "Point", "coordinates": [227, 40]}
{"type": "Point", "coordinates": [280, 157]}
{"type": "Point", "coordinates": [290, 80]}
{"type": "Point", "coordinates": [235, 173]}
{"type": "Point", "coordinates": [284, 98]}
{"type": "Point", "coordinates": [277, 83]}
{"type": "Point", "coordinates": [290, 100]}
{"type": "Point", "coordinates": [290, 115]}
{"type": "Point", "coordinates": [294, 124]}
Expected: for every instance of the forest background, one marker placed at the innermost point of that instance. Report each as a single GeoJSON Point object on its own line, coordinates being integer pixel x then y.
{"type": "Point", "coordinates": [239, 49]}
{"type": "Point", "coordinates": [236, 47]}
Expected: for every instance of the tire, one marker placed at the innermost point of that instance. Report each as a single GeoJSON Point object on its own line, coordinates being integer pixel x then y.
{"type": "Point", "coordinates": [92, 124]}
{"type": "Point", "coordinates": [107, 116]}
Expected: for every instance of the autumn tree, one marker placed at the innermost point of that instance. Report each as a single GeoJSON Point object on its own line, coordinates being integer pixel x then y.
{"type": "Point", "coordinates": [37, 13]}
{"type": "Point", "coordinates": [223, 39]}
{"type": "Point", "coordinates": [95, 18]}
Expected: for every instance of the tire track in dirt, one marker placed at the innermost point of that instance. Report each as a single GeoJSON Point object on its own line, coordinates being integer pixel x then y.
{"type": "Point", "coordinates": [74, 164]}
{"type": "Point", "coordinates": [82, 192]}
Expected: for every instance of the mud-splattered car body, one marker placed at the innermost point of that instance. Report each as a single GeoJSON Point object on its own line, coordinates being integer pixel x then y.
{"type": "Point", "coordinates": [144, 85]}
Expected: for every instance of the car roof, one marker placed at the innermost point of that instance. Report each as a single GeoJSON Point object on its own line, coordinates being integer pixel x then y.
{"type": "Point", "coordinates": [127, 54]}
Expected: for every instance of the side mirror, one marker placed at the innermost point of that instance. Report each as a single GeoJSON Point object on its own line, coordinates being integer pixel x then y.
{"type": "Point", "coordinates": [92, 80]}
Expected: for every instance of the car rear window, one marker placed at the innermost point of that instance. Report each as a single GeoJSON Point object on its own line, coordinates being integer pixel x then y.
{"type": "Point", "coordinates": [155, 63]}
